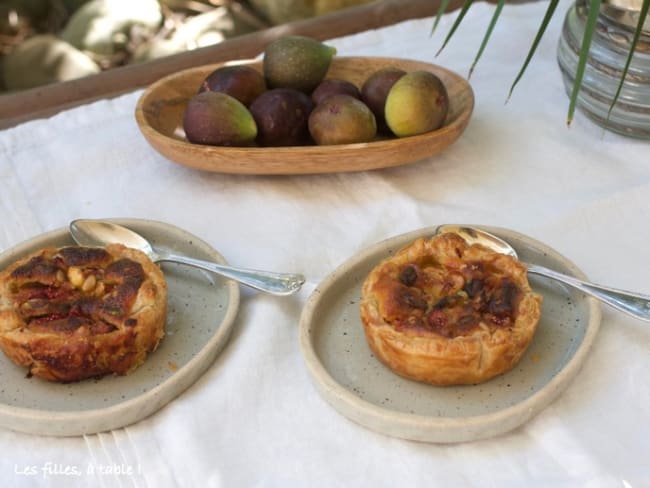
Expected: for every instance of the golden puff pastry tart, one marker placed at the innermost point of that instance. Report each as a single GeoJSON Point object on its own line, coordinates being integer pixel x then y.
{"type": "Point", "coordinates": [444, 312]}
{"type": "Point", "coordinates": [79, 312]}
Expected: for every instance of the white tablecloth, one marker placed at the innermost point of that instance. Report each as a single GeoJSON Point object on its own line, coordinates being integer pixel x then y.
{"type": "Point", "coordinates": [255, 419]}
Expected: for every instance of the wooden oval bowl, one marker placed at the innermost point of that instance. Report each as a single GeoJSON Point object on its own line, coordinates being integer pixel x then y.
{"type": "Point", "coordinates": [159, 114]}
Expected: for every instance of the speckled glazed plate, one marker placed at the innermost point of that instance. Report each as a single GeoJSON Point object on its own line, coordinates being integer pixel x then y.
{"type": "Point", "coordinates": [200, 314]}
{"type": "Point", "coordinates": [357, 385]}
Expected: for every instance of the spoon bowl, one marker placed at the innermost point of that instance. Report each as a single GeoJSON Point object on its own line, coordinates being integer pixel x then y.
{"type": "Point", "coordinates": [473, 235]}
{"type": "Point", "coordinates": [99, 233]}
{"type": "Point", "coordinates": [634, 304]}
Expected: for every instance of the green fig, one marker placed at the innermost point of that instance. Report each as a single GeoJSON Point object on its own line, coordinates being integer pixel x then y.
{"type": "Point", "coordinates": [342, 119]}
{"type": "Point", "coordinates": [296, 62]}
{"type": "Point", "coordinates": [218, 119]}
{"type": "Point", "coordinates": [417, 103]}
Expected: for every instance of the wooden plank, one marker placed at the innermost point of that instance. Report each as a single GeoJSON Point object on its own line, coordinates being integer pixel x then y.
{"type": "Point", "coordinates": [48, 100]}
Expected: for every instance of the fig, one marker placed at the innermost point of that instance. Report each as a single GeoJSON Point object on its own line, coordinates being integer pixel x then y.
{"type": "Point", "coordinates": [218, 119]}
{"type": "Point", "coordinates": [342, 119]}
{"type": "Point", "coordinates": [417, 103]}
{"type": "Point", "coordinates": [375, 90]}
{"type": "Point", "coordinates": [296, 62]}
{"type": "Point", "coordinates": [239, 81]}
{"type": "Point", "coordinates": [333, 86]}
{"type": "Point", "coordinates": [281, 115]}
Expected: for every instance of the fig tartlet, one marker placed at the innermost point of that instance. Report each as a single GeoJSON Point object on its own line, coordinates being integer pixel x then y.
{"type": "Point", "coordinates": [444, 312]}
{"type": "Point", "coordinates": [78, 312]}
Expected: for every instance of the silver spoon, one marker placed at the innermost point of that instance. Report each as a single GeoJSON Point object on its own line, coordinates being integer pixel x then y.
{"type": "Point", "coordinates": [100, 233]}
{"type": "Point", "coordinates": [634, 304]}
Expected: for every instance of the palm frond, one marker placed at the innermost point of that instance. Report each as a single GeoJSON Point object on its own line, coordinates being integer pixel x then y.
{"type": "Point", "coordinates": [642, 16]}
{"type": "Point", "coordinates": [463, 10]}
{"type": "Point", "coordinates": [441, 10]}
{"type": "Point", "coordinates": [538, 37]}
{"type": "Point", "coordinates": [590, 27]}
{"type": "Point", "coordinates": [488, 33]}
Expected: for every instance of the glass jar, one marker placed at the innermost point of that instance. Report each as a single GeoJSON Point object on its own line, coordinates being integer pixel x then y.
{"type": "Point", "coordinates": [608, 54]}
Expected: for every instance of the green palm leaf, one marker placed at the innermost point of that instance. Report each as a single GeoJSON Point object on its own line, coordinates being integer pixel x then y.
{"type": "Point", "coordinates": [441, 10]}
{"type": "Point", "coordinates": [540, 33]}
{"type": "Point", "coordinates": [642, 16]}
{"type": "Point", "coordinates": [488, 33]}
{"type": "Point", "coordinates": [463, 10]}
{"type": "Point", "coordinates": [590, 26]}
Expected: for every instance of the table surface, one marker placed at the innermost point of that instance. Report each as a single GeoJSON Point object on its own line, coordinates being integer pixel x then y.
{"type": "Point", "coordinates": [255, 418]}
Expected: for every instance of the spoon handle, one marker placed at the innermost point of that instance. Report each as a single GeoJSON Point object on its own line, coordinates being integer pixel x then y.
{"type": "Point", "coordinates": [267, 281]}
{"type": "Point", "coordinates": [634, 304]}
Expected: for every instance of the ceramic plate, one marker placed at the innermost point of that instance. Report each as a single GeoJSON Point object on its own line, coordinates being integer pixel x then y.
{"type": "Point", "coordinates": [201, 312]}
{"type": "Point", "coordinates": [356, 384]}
{"type": "Point", "coordinates": [160, 110]}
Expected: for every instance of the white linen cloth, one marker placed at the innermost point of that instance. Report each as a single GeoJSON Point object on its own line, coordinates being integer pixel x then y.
{"type": "Point", "coordinates": [254, 418]}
